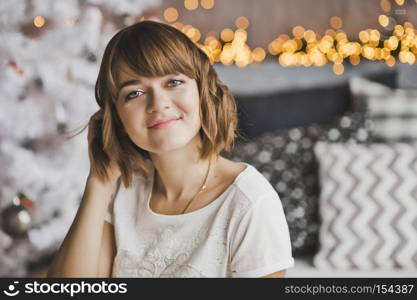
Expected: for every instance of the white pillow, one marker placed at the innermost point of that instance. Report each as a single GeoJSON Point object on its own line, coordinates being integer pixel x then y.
{"type": "Point", "coordinates": [367, 206]}
{"type": "Point", "coordinates": [393, 112]}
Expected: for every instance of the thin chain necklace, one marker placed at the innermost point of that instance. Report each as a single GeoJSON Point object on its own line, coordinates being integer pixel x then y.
{"type": "Point", "coordinates": [201, 189]}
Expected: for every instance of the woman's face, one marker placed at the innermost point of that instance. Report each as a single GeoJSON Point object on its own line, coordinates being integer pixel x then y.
{"type": "Point", "coordinates": [144, 101]}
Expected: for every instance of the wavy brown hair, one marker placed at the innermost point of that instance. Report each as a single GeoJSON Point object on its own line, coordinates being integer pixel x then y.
{"type": "Point", "coordinates": [153, 49]}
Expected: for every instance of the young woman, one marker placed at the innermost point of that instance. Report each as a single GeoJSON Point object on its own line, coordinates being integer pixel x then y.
{"type": "Point", "coordinates": [183, 210]}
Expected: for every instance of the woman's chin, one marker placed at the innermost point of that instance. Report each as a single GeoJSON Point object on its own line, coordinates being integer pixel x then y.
{"type": "Point", "coordinates": [165, 147]}
{"type": "Point", "coordinates": [171, 143]}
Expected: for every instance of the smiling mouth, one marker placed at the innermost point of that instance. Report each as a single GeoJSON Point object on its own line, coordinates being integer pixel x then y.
{"type": "Point", "coordinates": [165, 124]}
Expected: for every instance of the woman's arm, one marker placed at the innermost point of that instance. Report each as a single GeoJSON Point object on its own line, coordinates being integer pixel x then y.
{"type": "Point", "coordinates": [80, 252]}
{"type": "Point", "coordinates": [108, 251]}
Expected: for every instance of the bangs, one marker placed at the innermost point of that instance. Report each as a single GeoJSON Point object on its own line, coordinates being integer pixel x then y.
{"type": "Point", "coordinates": [150, 52]}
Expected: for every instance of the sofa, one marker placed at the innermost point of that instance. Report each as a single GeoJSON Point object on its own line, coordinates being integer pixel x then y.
{"type": "Point", "coordinates": [281, 109]}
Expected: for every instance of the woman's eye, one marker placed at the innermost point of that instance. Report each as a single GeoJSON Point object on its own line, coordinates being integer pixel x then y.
{"type": "Point", "coordinates": [176, 81]}
{"type": "Point", "coordinates": [133, 94]}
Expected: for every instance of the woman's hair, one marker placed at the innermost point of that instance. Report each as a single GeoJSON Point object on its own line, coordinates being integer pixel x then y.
{"type": "Point", "coordinates": [153, 49]}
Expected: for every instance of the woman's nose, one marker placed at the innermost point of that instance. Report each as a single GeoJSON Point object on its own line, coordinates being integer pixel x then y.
{"type": "Point", "coordinates": [158, 100]}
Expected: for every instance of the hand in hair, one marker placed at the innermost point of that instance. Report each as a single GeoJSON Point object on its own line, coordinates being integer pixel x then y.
{"type": "Point", "coordinates": [102, 167]}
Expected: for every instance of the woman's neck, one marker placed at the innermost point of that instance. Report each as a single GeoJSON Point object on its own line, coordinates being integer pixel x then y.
{"type": "Point", "coordinates": [181, 175]}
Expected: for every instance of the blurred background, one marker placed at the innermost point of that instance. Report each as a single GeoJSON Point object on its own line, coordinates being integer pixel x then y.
{"type": "Point", "coordinates": [327, 99]}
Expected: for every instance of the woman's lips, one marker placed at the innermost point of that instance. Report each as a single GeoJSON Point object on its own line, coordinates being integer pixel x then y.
{"type": "Point", "coordinates": [164, 125]}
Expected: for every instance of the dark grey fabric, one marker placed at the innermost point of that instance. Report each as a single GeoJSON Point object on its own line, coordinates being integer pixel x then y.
{"type": "Point", "coordinates": [300, 107]}
{"type": "Point", "coordinates": [290, 109]}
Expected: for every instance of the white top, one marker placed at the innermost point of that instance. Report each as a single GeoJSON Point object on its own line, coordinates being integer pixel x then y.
{"type": "Point", "coordinates": [243, 233]}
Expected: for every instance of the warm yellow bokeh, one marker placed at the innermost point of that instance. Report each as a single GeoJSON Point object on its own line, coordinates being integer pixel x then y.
{"type": "Point", "coordinates": [39, 21]}
{"type": "Point", "coordinates": [171, 14]}
{"type": "Point", "coordinates": [191, 4]}
{"type": "Point", "coordinates": [207, 4]}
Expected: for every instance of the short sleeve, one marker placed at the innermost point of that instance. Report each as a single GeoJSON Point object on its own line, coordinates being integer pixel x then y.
{"type": "Point", "coordinates": [109, 216]}
{"type": "Point", "coordinates": [261, 244]}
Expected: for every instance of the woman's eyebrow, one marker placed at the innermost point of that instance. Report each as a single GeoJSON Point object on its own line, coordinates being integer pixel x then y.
{"type": "Point", "coordinates": [129, 82]}
{"type": "Point", "coordinates": [137, 81]}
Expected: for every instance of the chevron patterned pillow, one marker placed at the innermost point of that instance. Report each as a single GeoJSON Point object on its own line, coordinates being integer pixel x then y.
{"type": "Point", "coordinates": [367, 206]}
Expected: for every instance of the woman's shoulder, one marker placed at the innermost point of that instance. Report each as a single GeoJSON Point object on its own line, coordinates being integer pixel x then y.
{"type": "Point", "coordinates": [251, 185]}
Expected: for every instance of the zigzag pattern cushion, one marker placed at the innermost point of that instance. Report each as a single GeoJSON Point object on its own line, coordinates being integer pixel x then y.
{"type": "Point", "coordinates": [367, 206]}
{"type": "Point", "coordinates": [393, 112]}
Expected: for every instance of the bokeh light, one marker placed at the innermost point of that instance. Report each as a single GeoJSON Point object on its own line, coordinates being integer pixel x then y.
{"type": "Point", "coordinates": [191, 4]}
{"type": "Point", "coordinates": [336, 22]}
{"type": "Point", "coordinates": [171, 14]}
{"type": "Point", "coordinates": [242, 22]}
{"type": "Point", "coordinates": [385, 5]}
{"type": "Point", "coordinates": [227, 34]}
{"type": "Point", "coordinates": [207, 4]}
{"type": "Point", "coordinates": [39, 21]}
{"type": "Point", "coordinates": [383, 20]}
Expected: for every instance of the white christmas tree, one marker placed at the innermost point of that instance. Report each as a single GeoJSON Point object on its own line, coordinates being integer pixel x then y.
{"type": "Point", "coordinates": [49, 51]}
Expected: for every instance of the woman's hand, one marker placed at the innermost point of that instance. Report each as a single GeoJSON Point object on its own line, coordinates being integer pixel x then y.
{"type": "Point", "coordinates": [98, 158]}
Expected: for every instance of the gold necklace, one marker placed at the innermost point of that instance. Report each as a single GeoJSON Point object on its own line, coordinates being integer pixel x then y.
{"type": "Point", "coordinates": [201, 189]}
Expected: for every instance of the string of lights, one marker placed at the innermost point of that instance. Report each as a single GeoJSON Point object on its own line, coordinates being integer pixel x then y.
{"type": "Point", "coordinates": [305, 47]}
